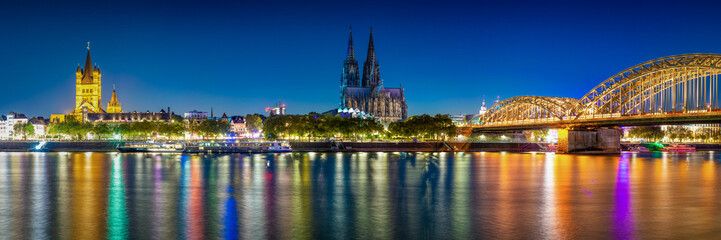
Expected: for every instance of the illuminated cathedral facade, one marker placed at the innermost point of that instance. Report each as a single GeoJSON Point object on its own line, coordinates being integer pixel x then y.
{"type": "Point", "coordinates": [368, 94]}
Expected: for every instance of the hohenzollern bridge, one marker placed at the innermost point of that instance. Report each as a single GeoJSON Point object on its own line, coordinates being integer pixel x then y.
{"type": "Point", "coordinates": [670, 90]}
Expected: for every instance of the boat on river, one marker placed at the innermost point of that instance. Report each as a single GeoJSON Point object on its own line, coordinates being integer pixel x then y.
{"type": "Point", "coordinates": [178, 147]}
{"type": "Point", "coordinates": [679, 148]}
{"type": "Point", "coordinates": [237, 147]}
{"type": "Point", "coordinates": [206, 147]}
{"type": "Point", "coordinates": [639, 149]}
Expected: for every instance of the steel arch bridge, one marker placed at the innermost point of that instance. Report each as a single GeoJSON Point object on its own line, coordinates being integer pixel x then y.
{"type": "Point", "coordinates": [530, 108]}
{"type": "Point", "coordinates": [679, 86]}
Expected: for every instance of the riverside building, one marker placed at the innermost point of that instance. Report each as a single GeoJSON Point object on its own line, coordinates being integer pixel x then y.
{"type": "Point", "coordinates": [7, 124]}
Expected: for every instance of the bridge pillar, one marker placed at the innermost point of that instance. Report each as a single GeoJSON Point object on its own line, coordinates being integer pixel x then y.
{"type": "Point", "coordinates": [589, 141]}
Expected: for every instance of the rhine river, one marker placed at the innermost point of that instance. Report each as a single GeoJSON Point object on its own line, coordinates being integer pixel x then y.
{"type": "Point", "coordinates": [360, 195]}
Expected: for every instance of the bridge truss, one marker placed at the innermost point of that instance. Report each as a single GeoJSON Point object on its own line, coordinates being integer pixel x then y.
{"type": "Point", "coordinates": [680, 84]}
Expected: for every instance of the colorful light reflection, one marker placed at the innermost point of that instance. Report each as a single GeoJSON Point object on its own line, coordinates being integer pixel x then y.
{"type": "Point", "coordinates": [623, 225]}
{"type": "Point", "coordinates": [117, 211]}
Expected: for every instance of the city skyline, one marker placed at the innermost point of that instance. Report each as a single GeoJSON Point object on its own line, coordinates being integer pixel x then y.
{"type": "Point", "coordinates": [227, 57]}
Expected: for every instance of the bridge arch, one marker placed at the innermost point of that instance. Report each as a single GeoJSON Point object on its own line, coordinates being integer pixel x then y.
{"type": "Point", "coordinates": [529, 108]}
{"type": "Point", "coordinates": [679, 83]}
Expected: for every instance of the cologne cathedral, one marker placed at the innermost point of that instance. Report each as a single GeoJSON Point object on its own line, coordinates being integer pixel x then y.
{"type": "Point", "coordinates": [368, 93]}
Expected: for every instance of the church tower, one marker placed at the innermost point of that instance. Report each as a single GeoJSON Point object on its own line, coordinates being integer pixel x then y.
{"type": "Point", "coordinates": [371, 70]}
{"type": "Point", "coordinates": [114, 105]}
{"type": "Point", "coordinates": [88, 88]}
{"type": "Point", "coordinates": [350, 76]}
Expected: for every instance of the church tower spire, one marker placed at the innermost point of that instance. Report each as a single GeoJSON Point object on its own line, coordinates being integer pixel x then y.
{"type": "Point", "coordinates": [88, 71]}
{"type": "Point", "coordinates": [350, 77]}
{"type": "Point", "coordinates": [371, 69]}
{"type": "Point", "coordinates": [88, 93]}
{"type": "Point", "coordinates": [371, 48]}
{"type": "Point", "coordinates": [114, 106]}
{"type": "Point", "coordinates": [351, 52]}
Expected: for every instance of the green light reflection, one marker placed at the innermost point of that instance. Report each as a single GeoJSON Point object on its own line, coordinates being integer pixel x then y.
{"type": "Point", "coordinates": [117, 211]}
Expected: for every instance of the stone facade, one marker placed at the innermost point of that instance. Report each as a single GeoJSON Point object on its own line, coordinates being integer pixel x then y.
{"type": "Point", "coordinates": [370, 96]}
{"type": "Point", "coordinates": [161, 116]}
{"type": "Point", "coordinates": [88, 94]}
{"type": "Point", "coordinates": [88, 98]}
{"type": "Point", "coordinates": [114, 106]}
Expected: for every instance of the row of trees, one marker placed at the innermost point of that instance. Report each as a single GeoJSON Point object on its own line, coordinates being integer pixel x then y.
{"type": "Point", "coordinates": [312, 125]}
{"type": "Point", "coordinates": [143, 129]}
{"type": "Point", "coordinates": [424, 126]}
{"type": "Point", "coordinates": [675, 133]}
{"type": "Point", "coordinates": [315, 125]}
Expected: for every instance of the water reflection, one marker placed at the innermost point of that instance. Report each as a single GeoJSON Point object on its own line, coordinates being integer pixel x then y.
{"type": "Point", "coordinates": [358, 195]}
{"type": "Point", "coordinates": [117, 212]}
{"type": "Point", "coordinates": [622, 215]}
{"type": "Point", "coordinates": [89, 195]}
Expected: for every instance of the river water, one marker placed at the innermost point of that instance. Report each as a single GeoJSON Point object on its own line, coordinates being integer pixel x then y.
{"type": "Point", "coordinates": [360, 195]}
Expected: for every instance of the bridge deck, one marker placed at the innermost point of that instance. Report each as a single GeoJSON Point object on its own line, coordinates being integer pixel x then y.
{"type": "Point", "coordinates": [609, 121]}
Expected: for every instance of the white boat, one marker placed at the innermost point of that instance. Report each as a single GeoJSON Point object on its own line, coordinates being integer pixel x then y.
{"type": "Point", "coordinates": [152, 147]}
{"type": "Point", "coordinates": [237, 147]}
{"type": "Point", "coordinates": [207, 147]}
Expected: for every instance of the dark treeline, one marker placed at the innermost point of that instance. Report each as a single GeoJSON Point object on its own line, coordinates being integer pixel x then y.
{"type": "Point", "coordinates": [676, 133]}
{"type": "Point", "coordinates": [143, 129]}
{"type": "Point", "coordinates": [315, 125]}
{"type": "Point", "coordinates": [424, 126]}
{"type": "Point", "coordinates": [308, 126]}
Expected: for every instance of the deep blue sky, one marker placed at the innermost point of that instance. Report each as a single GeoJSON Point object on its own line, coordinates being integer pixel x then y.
{"type": "Point", "coordinates": [241, 57]}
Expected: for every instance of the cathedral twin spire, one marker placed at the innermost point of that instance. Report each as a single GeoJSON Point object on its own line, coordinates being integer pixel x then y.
{"type": "Point", "coordinates": [351, 52]}
{"type": "Point", "coordinates": [350, 76]}
{"type": "Point", "coordinates": [371, 71]}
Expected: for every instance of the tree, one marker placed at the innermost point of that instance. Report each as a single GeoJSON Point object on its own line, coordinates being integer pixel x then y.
{"type": "Point", "coordinates": [424, 126]}
{"type": "Point", "coordinates": [173, 129]}
{"type": "Point", "coordinates": [71, 127]}
{"type": "Point", "coordinates": [102, 130]}
{"type": "Point", "coordinates": [213, 127]}
{"type": "Point", "coordinates": [254, 123]}
{"type": "Point", "coordinates": [649, 133]}
{"type": "Point", "coordinates": [176, 118]}
{"type": "Point", "coordinates": [539, 135]}
{"type": "Point", "coordinates": [678, 133]}
{"type": "Point", "coordinates": [29, 129]}
{"type": "Point", "coordinates": [23, 129]}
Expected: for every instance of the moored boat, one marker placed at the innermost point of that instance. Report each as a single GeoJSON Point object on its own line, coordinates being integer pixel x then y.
{"type": "Point", "coordinates": [237, 147]}
{"type": "Point", "coordinates": [679, 148]}
{"type": "Point", "coordinates": [639, 149]}
{"type": "Point", "coordinates": [152, 147]}
{"type": "Point", "coordinates": [206, 147]}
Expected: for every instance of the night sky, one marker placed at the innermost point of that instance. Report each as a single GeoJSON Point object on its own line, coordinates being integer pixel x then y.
{"type": "Point", "coordinates": [242, 57]}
